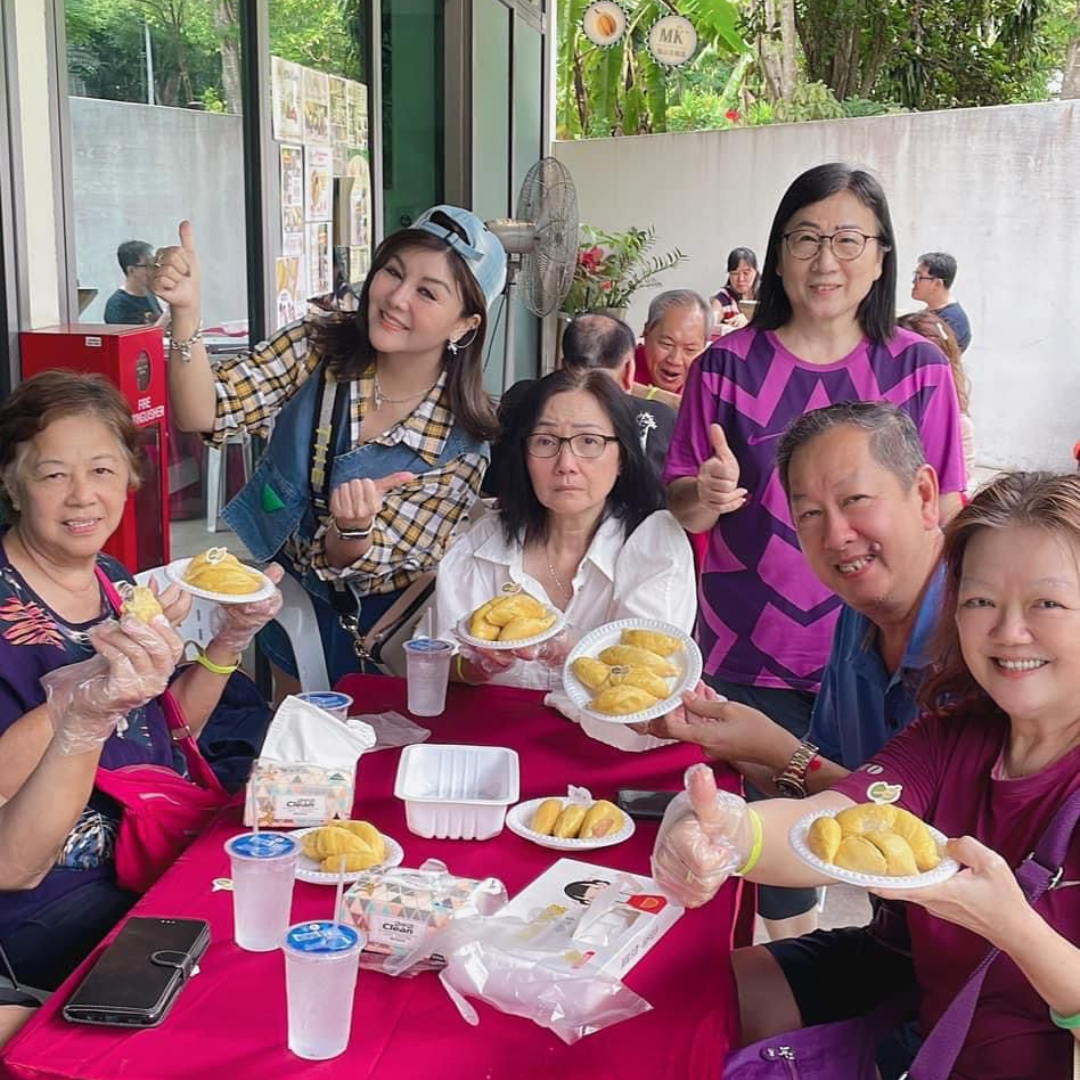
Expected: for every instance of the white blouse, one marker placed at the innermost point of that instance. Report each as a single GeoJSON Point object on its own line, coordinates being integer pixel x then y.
{"type": "Point", "coordinates": [649, 574]}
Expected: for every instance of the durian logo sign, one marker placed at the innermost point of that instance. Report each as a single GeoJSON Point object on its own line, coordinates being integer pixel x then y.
{"type": "Point", "coordinates": [604, 23]}
{"type": "Point", "coordinates": [672, 40]}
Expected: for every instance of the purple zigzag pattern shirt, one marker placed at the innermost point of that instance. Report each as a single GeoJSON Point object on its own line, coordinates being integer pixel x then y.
{"type": "Point", "coordinates": [763, 618]}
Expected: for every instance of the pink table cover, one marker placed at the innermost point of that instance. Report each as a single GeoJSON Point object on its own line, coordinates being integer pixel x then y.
{"type": "Point", "coordinates": [230, 1020]}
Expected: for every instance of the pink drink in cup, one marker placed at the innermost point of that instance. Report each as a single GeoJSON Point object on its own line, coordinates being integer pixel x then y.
{"type": "Point", "coordinates": [321, 962]}
{"type": "Point", "coordinates": [263, 870]}
{"type": "Point", "coordinates": [427, 671]}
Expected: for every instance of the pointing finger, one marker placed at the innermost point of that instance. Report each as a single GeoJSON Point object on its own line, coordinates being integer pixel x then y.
{"type": "Point", "coordinates": [388, 483]}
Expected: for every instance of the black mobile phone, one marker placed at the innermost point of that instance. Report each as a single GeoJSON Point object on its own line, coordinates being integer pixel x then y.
{"type": "Point", "coordinates": [140, 974]}
{"type": "Point", "coordinates": [644, 805]}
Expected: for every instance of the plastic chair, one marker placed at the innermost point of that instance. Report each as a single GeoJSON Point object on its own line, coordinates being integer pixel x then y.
{"type": "Point", "coordinates": [296, 618]}
{"type": "Point", "coordinates": [217, 459]}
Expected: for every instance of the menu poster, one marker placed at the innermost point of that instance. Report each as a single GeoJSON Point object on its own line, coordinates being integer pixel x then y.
{"type": "Point", "coordinates": [292, 221]}
{"type": "Point", "coordinates": [316, 106]}
{"type": "Point", "coordinates": [286, 94]}
{"type": "Point", "coordinates": [356, 94]}
{"type": "Point", "coordinates": [339, 109]}
{"type": "Point", "coordinates": [293, 243]}
{"type": "Point", "coordinates": [360, 200]}
{"type": "Point", "coordinates": [318, 258]}
{"type": "Point", "coordinates": [287, 273]}
{"type": "Point", "coordinates": [318, 182]}
{"type": "Point", "coordinates": [292, 178]}
{"type": "Point", "coordinates": [341, 158]}
{"type": "Point", "coordinates": [359, 262]}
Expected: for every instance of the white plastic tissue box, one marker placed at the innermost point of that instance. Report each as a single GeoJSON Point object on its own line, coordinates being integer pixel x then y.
{"type": "Point", "coordinates": [306, 771]}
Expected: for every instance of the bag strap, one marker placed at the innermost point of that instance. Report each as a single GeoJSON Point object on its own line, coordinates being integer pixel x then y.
{"type": "Point", "coordinates": [1037, 874]}
{"type": "Point", "coordinates": [198, 767]}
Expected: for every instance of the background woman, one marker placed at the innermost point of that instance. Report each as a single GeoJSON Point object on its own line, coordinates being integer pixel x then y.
{"type": "Point", "coordinates": [824, 331]}
{"type": "Point", "coordinates": [931, 326]}
{"type": "Point", "coordinates": [742, 284]}
{"type": "Point", "coordinates": [67, 461]}
{"type": "Point", "coordinates": [990, 764]}
{"type": "Point", "coordinates": [380, 421]}
{"type": "Point", "coordinates": [580, 527]}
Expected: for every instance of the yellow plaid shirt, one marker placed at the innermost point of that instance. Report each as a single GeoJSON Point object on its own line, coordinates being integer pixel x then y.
{"type": "Point", "coordinates": [417, 519]}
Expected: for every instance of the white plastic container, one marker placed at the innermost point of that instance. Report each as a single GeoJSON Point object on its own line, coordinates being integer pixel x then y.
{"type": "Point", "coordinates": [456, 792]}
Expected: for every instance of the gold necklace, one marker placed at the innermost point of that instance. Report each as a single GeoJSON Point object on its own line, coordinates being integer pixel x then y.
{"type": "Point", "coordinates": [567, 593]}
{"type": "Point", "coordinates": [385, 399]}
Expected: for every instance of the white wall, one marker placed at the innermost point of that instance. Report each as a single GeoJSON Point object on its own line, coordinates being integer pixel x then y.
{"type": "Point", "coordinates": [995, 187]}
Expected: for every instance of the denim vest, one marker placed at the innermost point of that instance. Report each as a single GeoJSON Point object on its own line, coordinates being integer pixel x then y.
{"type": "Point", "coordinates": [277, 501]}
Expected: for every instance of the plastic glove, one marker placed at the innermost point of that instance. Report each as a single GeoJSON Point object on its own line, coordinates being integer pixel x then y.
{"type": "Point", "coordinates": [488, 662]}
{"type": "Point", "coordinates": [706, 835]}
{"type": "Point", "coordinates": [551, 652]}
{"type": "Point", "coordinates": [237, 624]}
{"type": "Point", "coordinates": [87, 701]}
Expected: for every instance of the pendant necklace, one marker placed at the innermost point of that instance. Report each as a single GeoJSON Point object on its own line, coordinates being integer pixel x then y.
{"type": "Point", "coordinates": [555, 577]}
{"type": "Point", "coordinates": [385, 399]}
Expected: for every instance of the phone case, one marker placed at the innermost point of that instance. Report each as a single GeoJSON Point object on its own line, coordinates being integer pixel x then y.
{"type": "Point", "coordinates": [644, 805]}
{"type": "Point", "coordinates": [138, 977]}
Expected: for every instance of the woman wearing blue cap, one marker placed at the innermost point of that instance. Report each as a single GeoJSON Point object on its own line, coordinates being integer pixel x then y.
{"type": "Point", "coordinates": [378, 421]}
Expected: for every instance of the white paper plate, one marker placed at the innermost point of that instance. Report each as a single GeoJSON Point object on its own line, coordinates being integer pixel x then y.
{"type": "Point", "coordinates": [944, 869]}
{"type": "Point", "coordinates": [518, 817]}
{"type": "Point", "coordinates": [687, 660]}
{"type": "Point", "coordinates": [308, 869]}
{"type": "Point", "coordinates": [176, 570]}
{"type": "Point", "coordinates": [462, 631]}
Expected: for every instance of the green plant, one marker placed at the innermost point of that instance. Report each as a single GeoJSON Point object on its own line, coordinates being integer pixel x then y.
{"type": "Point", "coordinates": [612, 266]}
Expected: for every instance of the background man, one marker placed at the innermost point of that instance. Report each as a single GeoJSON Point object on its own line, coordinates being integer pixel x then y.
{"type": "Point", "coordinates": [676, 332]}
{"type": "Point", "coordinates": [133, 303]}
{"type": "Point", "coordinates": [931, 283]}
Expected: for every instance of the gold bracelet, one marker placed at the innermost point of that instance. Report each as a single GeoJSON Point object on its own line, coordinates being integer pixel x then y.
{"type": "Point", "coordinates": [217, 669]}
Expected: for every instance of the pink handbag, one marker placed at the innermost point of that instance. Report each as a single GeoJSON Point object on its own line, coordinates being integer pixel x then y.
{"type": "Point", "coordinates": [162, 810]}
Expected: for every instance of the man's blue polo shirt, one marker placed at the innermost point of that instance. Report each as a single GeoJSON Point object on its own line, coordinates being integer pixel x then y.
{"type": "Point", "coordinates": [861, 706]}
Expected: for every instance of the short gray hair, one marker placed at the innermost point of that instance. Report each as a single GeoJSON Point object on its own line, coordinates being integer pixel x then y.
{"type": "Point", "coordinates": [678, 298]}
{"type": "Point", "coordinates": [894, 438]}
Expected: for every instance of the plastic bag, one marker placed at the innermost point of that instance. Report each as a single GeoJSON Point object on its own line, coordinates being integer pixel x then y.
{"type": "Point", "coordinates": [392, 729]}
{"type": "Point", "coordinates": [521, 967]}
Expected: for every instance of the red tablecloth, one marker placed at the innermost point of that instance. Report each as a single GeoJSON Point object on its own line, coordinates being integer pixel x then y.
{"type": "Point", "coordinates": [229, 1022]}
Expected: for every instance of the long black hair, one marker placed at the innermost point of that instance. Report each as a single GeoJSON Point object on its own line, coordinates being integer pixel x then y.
{"type": "Point", "coordinates": [344, 342]}
{"type": "Point", "coordinates": [877, 312]}
{"type": "Point", "coordinates": [637, 492]}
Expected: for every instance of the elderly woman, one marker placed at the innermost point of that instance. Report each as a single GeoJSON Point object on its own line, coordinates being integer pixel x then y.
{"type": "Point", "coordinates": [379, 422]}
{"type": "Point", "coordinates": [67, 461]}
{"type": "Point", "coordinates": [580, 527]}
{"type": "Point", "coordinates": [824, 331]}
{"type": "Point", "coordinates": [992, 761]}
{"type": "Point", "coordinates": [742, 284]}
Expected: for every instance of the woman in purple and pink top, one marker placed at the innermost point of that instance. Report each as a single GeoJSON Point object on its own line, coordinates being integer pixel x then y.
{"type": "Point", "coordinates": [824, 331]}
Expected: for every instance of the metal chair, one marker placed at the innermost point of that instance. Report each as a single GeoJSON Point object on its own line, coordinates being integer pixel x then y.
{"type": "Point", "coordinates": [296, 618]}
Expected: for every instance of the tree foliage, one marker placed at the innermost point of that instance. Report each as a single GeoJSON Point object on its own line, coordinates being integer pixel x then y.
{"type": "Point", "coordinates": [195, 46]}
{"type": "Point", "coordinates": [621, 89]}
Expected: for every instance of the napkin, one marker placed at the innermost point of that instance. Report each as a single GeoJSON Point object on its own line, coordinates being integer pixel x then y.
{"type": "Point", "coordinates": [304, 732]}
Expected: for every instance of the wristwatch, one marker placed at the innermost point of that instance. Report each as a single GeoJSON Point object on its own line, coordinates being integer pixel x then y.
{"type": "Point", "coordinates": [791, 783]}
{"type": "Point", "coordinates": [353, 534]}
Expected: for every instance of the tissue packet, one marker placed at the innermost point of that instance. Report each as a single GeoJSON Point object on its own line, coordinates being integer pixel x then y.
{"type": "Point", "coordinates": [297, 795]}
{"type": "Point", "coordinates": [399, 908]}
{"type": "Point", "coordinates": [597, 918]}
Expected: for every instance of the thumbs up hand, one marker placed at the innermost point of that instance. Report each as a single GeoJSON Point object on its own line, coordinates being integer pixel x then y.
{"type": "Point", "coordinates": [176, 276]}
{"type": "Point", "coordinates": [718, 478]}
{"type": "Point", "coordinates": [704, 838]}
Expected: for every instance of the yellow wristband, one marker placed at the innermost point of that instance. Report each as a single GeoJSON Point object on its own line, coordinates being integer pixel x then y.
{"type": "Point", "coordinates": [217, 669]}
{"type": "Point", "coordinates": [756, 846]}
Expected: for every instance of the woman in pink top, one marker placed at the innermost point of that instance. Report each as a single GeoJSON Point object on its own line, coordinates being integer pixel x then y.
{"type": "Point", "coordinates": [995, 756]}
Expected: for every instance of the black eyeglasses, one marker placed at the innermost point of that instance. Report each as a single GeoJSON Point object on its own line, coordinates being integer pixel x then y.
{"type": "Point", "coordinates": [922, 277]}
{"type": "Point", "coordinates": [847, 244]}
{"type": "Point", "coordinates": [585, 445]}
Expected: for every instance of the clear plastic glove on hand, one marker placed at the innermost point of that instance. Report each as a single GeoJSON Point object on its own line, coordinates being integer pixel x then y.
{"type": "Point", "coordinates": [88, 700]}
{"type": "Point", "coordinates": [235, 625]}
{"type": "Point", "coordinates": [705, 837]}
{"type": "Point", "coordinates": [552, 652]}
{"type": "Point", "coordinates": [488, 662]}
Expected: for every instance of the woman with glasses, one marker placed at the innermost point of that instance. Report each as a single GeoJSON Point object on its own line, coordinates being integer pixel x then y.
{"type": "Point", "coordinates": [580, 526]}
{"type": "Point", "coordinates": [824, 331]}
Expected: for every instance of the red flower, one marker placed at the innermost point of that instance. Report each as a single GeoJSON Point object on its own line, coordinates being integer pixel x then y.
{"type": "Point", "coordinates": [592, 259]}
{"type": "Point", "coordinates": [733, 115]}
{"type": "Point", "coordinates": [606, 286]}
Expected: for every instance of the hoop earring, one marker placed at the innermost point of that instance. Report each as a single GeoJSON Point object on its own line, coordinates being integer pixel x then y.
{"type": "Point", "coordinates": [455, 346]}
